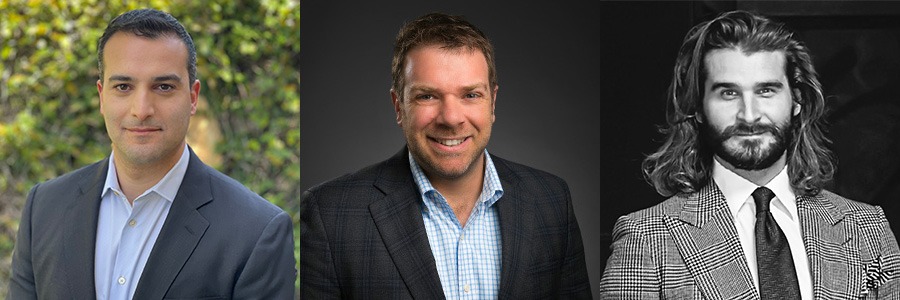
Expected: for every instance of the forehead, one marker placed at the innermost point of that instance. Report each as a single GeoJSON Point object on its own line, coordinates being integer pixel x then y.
{"type": "Point", "coordinates": [126, 52]}
{"type": "Point", "coordinates": [433, 62]}
{"type": "Point", "coordinates": [735, 66]}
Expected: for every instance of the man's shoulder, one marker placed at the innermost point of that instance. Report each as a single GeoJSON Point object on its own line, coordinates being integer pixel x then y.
{"type": "Point", "coordinates": [526, 177]}
{"type": "Point", "coordinates": [864, 213]}
{"type": "Point", "coordinates": [67, 183]}
{"type": "Point", "coordinates": [672, 207]}
{"type": "Point", "coordinates": [363, 186]}
{"type": "Point", "coordinates": [227, 191]}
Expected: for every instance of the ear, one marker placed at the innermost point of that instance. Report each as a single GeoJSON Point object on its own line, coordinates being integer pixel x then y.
{"type": "Point", "coordinates": [195, 96]}
{"type": "Point", "coordinates": [100, 94]}
{"type": "Point", "coordinates": [494, 102]}
{"type": "Point", "coordinates": [795, 110]}
{"type": "Point", "coordinates": [395, 99]}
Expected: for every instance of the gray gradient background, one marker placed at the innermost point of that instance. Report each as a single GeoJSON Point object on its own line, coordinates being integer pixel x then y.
{"type": "Point", "coordinates": [547, 107]}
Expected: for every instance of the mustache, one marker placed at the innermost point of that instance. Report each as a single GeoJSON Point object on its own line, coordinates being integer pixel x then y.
{"type": "Point", "coordinates": [744, 128]}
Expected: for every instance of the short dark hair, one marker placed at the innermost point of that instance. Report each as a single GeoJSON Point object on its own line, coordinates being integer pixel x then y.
{"type": "Point", "coordinates": [683, 164]}
{"type": "Point", "coordinates": [149, 23]}
{"type": "Point", "coordinates": [450, 32]}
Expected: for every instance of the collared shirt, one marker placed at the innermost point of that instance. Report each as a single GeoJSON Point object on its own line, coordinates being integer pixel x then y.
{"type": "Point", "coordinates": [126, 233]}
{"type": "Point", "coordinates": [467, 258]}
{"type": "Point", "coordinates": [738, 194]}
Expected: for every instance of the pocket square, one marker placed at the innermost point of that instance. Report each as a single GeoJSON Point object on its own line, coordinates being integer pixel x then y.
{"type": "Point", "coordinates": [875, 275]}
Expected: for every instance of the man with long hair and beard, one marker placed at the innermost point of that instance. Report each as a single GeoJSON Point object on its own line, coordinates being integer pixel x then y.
{"type": "Point", "coordinates": [743, 165]}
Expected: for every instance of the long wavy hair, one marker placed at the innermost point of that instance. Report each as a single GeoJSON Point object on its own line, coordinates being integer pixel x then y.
{"type": "Point", "coordinates": [683, 164]}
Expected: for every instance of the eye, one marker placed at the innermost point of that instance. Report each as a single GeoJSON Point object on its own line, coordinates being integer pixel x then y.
{"type": "Point", "coordinates": [766, 92]}
{"type": "Point", "coordinates": [472, 95]}
{"type": "Point", "coordinates": [425, 97]}
{"type": "Point", "coordinates": [122, 87]}
{"type": "Point", "coordinates": [730, 94]}
{"type": "Point", "coordinates": [165, 87]}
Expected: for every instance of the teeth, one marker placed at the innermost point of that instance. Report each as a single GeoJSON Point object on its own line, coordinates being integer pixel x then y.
{"type": "Point", "coordinates": [451, 142]}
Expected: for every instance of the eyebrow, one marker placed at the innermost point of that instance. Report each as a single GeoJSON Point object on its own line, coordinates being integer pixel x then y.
{"type": "Point", "coordinates": [168, 77]}
{"type": "Point", "coordinates": [120, 78]}
{"type": "Point", "coordinates": [731, 85]}
{"type": "Point", "coordinates": [163, 78]}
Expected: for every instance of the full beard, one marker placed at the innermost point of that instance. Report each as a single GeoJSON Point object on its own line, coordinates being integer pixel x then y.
{"type": "Point", "coordinates": [752, 154]}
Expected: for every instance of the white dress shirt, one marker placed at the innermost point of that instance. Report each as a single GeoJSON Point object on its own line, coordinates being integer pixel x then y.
{"type": "Point", "coordinates": [737, 191]}
{"type": "Point", "coordinates": [126, 234]}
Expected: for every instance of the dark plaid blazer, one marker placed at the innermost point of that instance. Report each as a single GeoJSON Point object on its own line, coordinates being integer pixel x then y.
{"type": "Point", "coordinates": [687, 248]}
{"type": "Point", "coordinates": [362, 237]}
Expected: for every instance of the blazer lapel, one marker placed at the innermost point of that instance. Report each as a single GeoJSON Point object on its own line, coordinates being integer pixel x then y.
{"type": "Point", "coordinates": [834, 256]}
{"type": "Point", "coordinates": [514, 229]}
{"type": "Point", "coordinates": [81, 234]}
{"type": "Point", "coordinates": [182, 230]}
{"type": "Point", "coordinates": [398, 218]}
{"type": "Point", "coordinates": [707, 240]}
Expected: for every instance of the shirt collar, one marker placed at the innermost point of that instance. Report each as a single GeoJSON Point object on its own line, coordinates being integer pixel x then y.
{"type": "Point", "coordinates": [167, 187]}
{"type": "Point", "coordinates": [737, 189]}
{"type": "Point", "coordinates": [491, 189]}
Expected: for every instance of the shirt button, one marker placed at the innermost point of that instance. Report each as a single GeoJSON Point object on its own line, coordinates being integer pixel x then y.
{"type": "Point", "coordinates": [121, 280]}
{"type": "Point", "coordinates": [466, 288]}
{"type": "Point", "coordinates": [132, 223]}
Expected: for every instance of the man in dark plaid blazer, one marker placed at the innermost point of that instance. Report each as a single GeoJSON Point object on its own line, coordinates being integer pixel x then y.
{"type": "Point", "coordinates": [745, 111]}
{"type": "Point", "coordinates": [442, 218]}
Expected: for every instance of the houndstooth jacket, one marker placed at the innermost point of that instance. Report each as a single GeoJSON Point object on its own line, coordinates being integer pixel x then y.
{"type": "Point", "coordinates": [687, 248]}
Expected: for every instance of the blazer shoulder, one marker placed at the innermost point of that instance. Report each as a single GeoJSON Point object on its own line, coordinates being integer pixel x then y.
{"type": "Point", "coordinates": [862, 211]}
{"type": "Point", "coordinates": [67, 183]}
{"type": "Point", "coordinates": [229, 192]}
{"type": "Point", "coordinates": [525, 174]}
{"type": "Point", "coordinates": [671, 207]}
{"type": "Point", "coordinates": [360, 188]}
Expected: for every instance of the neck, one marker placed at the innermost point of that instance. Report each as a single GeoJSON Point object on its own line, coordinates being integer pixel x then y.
{"type": "Point", "coordinates": [137, 178]}
{"type": "Point", "coordinates": [759, 177]}
{"type": "Point", "coordinates": [461, 192]}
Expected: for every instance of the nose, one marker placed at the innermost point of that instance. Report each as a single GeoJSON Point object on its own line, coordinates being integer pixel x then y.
{"type": "Point", "coordinates": [142, 105]}
{"type": "Point", "coordinates": [749, 110]}
{"type": "Point", "coordinates": [451, 112]}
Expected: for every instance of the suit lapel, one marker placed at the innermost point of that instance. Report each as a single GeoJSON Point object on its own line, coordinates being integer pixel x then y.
{"type": "Point", "coordinates": [182, 230]}
{"type": "Point", "coordinates": [398, 218]}
{"type": "Point", "coordinates": [81, 234]}
{"type": "Point", "coordinates": [514, 230]}
{"type": "Point", "coordinates": [707, 240]}
{"type": "Point", "coordinates": [833, 253]}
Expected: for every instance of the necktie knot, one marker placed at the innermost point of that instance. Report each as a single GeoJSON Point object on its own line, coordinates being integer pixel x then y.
{"type": "Point", "coordinates": [762, 196]}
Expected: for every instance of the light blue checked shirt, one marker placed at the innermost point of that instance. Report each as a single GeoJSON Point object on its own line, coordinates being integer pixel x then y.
{"type": "Point", "coordinates": [468, 258]}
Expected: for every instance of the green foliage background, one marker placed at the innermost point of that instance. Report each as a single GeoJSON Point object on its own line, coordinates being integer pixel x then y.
{"type": "Point", "coordinates": [49, 110]}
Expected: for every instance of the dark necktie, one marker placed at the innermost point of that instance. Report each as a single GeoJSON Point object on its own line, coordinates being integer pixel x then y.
{"type": "Point", "coordinates": [777, 276]}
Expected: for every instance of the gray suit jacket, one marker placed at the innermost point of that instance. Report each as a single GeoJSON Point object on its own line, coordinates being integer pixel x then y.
{"type": "Point", "coordinates": [219, 241]}
{"type": "Point", "coordinates": [687, 248]}
{"type": "Point", "coordinates": [362, 237]}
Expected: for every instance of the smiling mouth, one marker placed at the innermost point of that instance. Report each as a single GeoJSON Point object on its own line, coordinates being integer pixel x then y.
{"type": "Point", "coordinates": [451, 142]}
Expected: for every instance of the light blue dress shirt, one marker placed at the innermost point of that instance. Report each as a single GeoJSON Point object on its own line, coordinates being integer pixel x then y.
{"type": "Point", "coordinates": [467, 258]}
{"type": "Point", "coordinates": [126, 234]}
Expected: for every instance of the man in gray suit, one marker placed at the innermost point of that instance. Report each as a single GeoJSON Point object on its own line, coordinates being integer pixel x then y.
{"type": "Point", "coordinates": [151, 221]}
{"type": "Point", "coordinates": [744, 162]}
